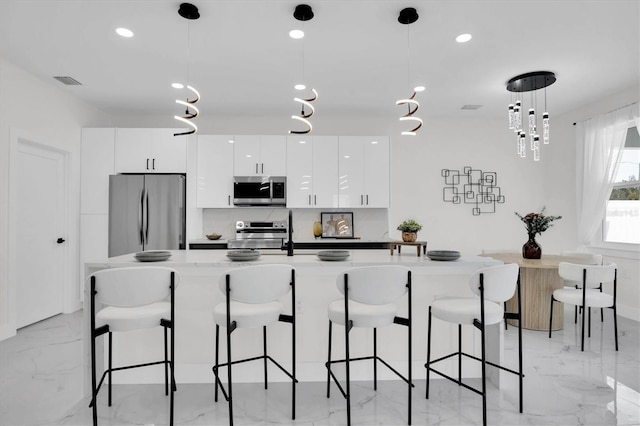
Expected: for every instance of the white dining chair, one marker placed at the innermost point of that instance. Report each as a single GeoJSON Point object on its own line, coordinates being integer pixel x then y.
{"type": "Point", "coordinates": [492, 286]}
{"type": "Point", "coordinates": [588, 294]}
{"type": "Point", "coordinates": [587, 259]}
{"type": "Point", "coordinates": [252, 299]}
{"type": "Point", "coordinates": [132, 298]}
{"type": "Point", "coordinates": [369, 301]}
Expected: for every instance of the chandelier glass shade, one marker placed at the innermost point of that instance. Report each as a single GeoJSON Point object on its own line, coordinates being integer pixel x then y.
{"type": "Point", "coordinates": [529, 82]}
{"type": "Point", "coordinates": [303, 12]}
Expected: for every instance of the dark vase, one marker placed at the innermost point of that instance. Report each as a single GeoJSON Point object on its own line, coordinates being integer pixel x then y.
{"type": "Point", "coordinates": [531, 249]}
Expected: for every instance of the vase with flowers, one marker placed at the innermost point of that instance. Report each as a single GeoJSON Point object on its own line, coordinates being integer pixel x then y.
{"type": "Point", "coordinates": [535, 223]}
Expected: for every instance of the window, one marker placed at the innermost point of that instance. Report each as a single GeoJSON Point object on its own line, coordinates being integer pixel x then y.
{"type": "Point", "coordinates": [622, 221]}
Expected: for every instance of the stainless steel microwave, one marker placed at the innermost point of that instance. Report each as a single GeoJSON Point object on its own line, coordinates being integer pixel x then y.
{"type": "Point", "coordinates": [259, 190]}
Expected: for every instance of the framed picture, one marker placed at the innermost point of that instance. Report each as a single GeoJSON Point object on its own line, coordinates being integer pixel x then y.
{"type": "Point", "coordinates": [337, 224]}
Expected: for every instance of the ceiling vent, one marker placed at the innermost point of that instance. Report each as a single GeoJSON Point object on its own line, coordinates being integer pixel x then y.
{"type": "Point", "coordinates": [69, 81]}
{"type": "Point", "coordinates": [471, 107]}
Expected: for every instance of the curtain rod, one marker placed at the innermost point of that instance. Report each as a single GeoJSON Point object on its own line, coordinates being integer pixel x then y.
{"type": "Point", "coordinates": [609, 112]}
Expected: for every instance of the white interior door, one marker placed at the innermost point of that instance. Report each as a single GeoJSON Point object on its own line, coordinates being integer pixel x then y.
{"type": "Point", "coordinates": [40, 226]}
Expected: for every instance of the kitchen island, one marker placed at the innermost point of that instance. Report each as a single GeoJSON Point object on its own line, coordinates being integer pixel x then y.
{"type": "Point", "coordinates": [198, 293]}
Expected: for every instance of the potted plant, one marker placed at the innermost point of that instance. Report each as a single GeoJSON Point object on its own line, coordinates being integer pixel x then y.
{"type": "Point", "coordinates": [409, 230]}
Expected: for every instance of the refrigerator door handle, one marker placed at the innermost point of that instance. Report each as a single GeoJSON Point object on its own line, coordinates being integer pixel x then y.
{"type": "Point", "coordinates": [140, 215]}
{"type": "Point", "coordinates": [146, 220]}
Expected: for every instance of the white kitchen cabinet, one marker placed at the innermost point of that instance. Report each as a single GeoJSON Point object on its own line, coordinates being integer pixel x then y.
{"type": "Point", "coordinates": [96, 164]}
{"type": "Point", "coordinates": [364, 171]}
{"type": "Point", "coordinates": [215, 171]}
{"type": "Point", "coordinates": [260, 155]}
{"type": "Point", "coordinates": [150, 151]}
{"type": "Point", "coordinates": [312, 171]}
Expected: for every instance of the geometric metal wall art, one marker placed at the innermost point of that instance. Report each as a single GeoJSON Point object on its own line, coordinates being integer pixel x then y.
{"type": "Point", "coordinates": [474, 187]}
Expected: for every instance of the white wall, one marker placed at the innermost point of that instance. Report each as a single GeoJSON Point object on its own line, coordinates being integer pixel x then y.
{"type": "Point", "coordinates": [49, 113]}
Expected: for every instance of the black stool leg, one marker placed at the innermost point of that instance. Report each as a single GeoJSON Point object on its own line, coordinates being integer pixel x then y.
{"type": "Point", "coordinates": [166, 364]}
{"type": "Point", "coordinates": [110, 365]}
{"type": "Point", "coordinates": [329, 361]}
{"type": "Point", "coordinates": [229, 384]}
{"type": "Point", "coordinates": [427, 365]}
{"type": "Point", "coordinates": [375, 359]}
{"type": "Point", "coordinates": [459, 354]}
{"type": "Point", "coordinates": [216, 363]}
{"type": "Point", "coordinates": [264, 348]}
{"type": "Point", "coordinates": [589, 331]}
{"type": "Point", "coordinates": [551, 316]}
{"type": "Point", "coordinates": [93, 380]}
{"type": "Point", "coordinates": [615, 325]}
{"type": "Point", "coordinates": [348, 375]}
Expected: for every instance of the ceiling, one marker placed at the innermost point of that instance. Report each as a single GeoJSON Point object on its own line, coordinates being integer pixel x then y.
{"type": "Point", "coordinates": [356, 55]}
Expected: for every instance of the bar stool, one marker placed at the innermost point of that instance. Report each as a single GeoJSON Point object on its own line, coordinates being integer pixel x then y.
{"type": "Point", "coordinates": [369, 300]}
{"type": "Point", "coordinates": [252, 296]}
{"type": "Point", "coordinates": [133, 298]}
{"type": "Point", "coordinates": [588, 293]}
{"type": "Point", "coordinates": [494, 285]}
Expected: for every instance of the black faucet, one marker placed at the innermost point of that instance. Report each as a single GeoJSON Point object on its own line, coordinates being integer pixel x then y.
{"type": "Point", "coordinates": [290, 235]}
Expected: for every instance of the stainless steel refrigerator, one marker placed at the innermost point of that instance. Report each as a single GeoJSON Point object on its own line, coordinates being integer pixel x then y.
{"type": "Point", "coordinates": [146, 212]}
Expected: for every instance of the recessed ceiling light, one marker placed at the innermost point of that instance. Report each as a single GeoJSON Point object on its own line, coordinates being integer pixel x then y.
{"type": "Point", "coordinates": [299, 87]}
{"type": "Point", "coordinates": [419, 88]}
{"type": "Point", "coordinates": [177, 85]}
{"type": "Point", "coordinates": [463, 38]}
{"type": "Point", "coordinates": [124, 32]}
{"type": "Point", "coordinates": [296, 34]}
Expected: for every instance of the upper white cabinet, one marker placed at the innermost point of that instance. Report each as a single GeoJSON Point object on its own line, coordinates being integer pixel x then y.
{"type": "Point", "coordinates": [150, 151]}
{"type": "Point", "coordinates": [260, 155]}
{"type": "Point", "coordinates": [215, 171]}
{"type": "Point", "coordinates": [96, 165]}
{"type": "Point", "coordinates": [364, 171]}
{"type": "Point", "coordinates": [312, 171]}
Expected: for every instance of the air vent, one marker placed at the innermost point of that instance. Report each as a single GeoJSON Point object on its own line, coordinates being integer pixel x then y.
{"type": "Point", "coordinates": [69, 81]}
{"type": "Point", "coordinates": [471, 107]}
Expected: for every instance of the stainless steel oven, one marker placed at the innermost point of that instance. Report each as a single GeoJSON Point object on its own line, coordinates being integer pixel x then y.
{"type": "Point", "coordinates": [260, 234]}
{"type": "Point", "coordinates": [259, 191]}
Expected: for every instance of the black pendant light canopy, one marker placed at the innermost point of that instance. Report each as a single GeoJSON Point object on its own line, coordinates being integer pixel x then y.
{"type": "Point", "coordinates": [408, 15]}
{"type": "Point", "coordinates": [303, 12]}
{"type": "Point", "coordinates": [188, 11]}
{"type": "Point", "coordinates": [531, 81]}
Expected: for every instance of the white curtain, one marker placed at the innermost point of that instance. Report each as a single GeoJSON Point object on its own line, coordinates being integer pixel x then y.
{"type": "Point", "coordinates": [599, 145]}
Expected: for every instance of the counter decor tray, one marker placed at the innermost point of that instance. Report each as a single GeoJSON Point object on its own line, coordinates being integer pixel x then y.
{"type": "Point", "coordinates": [333, 255]}
{"type": "Point", "coordinates": [152, 255]}
{"type": "Point", "coordinates": [443, 255]}
{"type": "Point", "coordinates": [243, 255]}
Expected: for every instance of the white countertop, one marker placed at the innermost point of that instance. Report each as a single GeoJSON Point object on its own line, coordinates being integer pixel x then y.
{"type": "Point", "coordinates": [218, 258]}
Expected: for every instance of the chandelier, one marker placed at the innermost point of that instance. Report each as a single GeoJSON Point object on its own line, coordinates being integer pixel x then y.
{"type": "Point", "coordinates": [529, 82]}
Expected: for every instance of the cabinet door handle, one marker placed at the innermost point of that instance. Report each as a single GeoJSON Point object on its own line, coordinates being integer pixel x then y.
{"type": "Point", "coordinates": [153, 164]}
{"type": "Point", "coordinates": [361, 199]}
{"type": "Point", "coordinates": [147, 164]}
{"type": "Point", "coordinates": [367, 199]}
{"type": "Point", "coordinates": [314, 200]}
{"type": "Point", "coordinates": [256, 168]}
{"type": "Point", "coordinates": [228, 200]}
{"type": "Point", "coordinates": [309, 199]}
{"type": "Point", "coordinates": [262, 168]}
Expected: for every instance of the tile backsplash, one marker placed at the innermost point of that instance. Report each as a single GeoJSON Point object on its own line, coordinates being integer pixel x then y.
{"type": "Point", "coordinates": [368, 224]}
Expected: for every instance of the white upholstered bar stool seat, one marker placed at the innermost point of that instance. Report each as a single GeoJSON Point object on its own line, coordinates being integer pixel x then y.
{"type": "Point", "coordinates": [252, 300]}
{"type": "Point", "coordinates": [595, 299]}
{"type": "Point", "coordinates": [138, 318]}
{"type": "Point", "coordinates": [459, 310]}
{"type": "Point", "coordinates": [363, 315]}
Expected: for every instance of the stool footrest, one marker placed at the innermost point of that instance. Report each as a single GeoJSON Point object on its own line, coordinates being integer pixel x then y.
{"type": "Point", "coordinates": [215, 369]}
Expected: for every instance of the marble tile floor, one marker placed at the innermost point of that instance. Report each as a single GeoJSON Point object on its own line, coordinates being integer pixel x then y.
{"type": "Point", "coordinates": [41, 384]}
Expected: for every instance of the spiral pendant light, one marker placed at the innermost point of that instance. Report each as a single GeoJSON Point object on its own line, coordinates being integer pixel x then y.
{"type": "Point", "coordinates": [303, 12]}
{"type": "Point", "coordinates": [408, 16]}
{"type": "Point", "coordinates": [189, 12]}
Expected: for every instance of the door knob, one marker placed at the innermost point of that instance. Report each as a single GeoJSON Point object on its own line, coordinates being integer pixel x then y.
{"type": "Point", "coordinates": [60, 240]}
